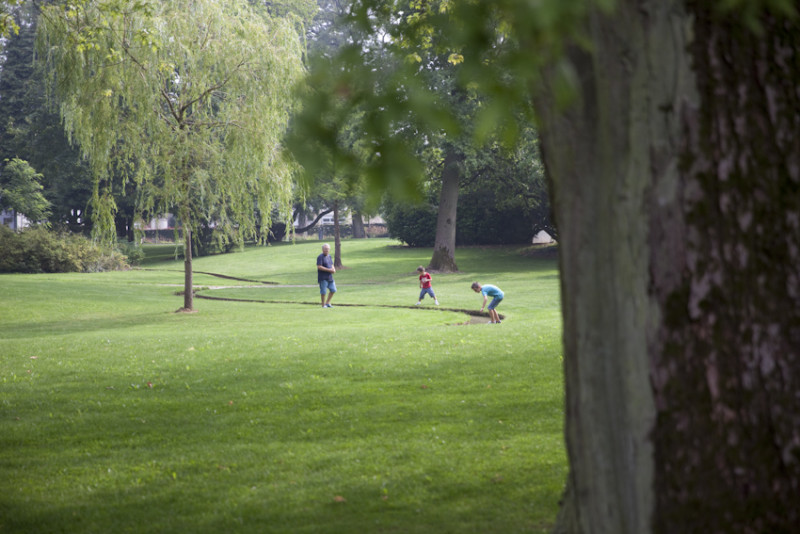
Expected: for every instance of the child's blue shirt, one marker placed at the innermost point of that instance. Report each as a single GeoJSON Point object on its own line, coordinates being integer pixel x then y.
{"type": "Point", "coordinates": [491, 291]}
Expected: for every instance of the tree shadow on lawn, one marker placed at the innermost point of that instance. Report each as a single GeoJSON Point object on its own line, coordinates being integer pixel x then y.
{"type": "Point", "coordinates": [28, 329]}
{"type": "Point", "coordinates": [217, 275]}
{"type": "Point", "coordinates": [203, 493]}
{"type": "Point", "coordinates": [474, 317]}
{"type": "Point", "coordinates": [427, 506]}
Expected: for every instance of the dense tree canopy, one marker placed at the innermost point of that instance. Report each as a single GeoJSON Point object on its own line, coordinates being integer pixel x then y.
{"type": "Point", "coordinates": [31, 129]}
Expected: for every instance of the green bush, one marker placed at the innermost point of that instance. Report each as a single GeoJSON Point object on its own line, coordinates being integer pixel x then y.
{"type": "Point", "coordinates": [484, 219]}
{"type": "Point", "coordinates": [481, 220]}
{"type": "Point", "coordinates": [413, 224]}
{"type": "Point", "coordinates": [133, 251]}
{"type": "Point", "coordinates": [39, 250]}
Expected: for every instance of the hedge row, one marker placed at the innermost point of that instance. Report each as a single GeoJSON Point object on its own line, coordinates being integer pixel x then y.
{"type": "Point", "coordinates": [479, 222]}
{"type": "Point", "coordinates": [39, 250]}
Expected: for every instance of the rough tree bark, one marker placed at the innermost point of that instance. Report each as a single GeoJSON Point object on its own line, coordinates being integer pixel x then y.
{"type": "Point", "coordinates": [444, 248]}
{"type": "Point", "coordinates": [598, 159]}
{"type": "Point", "coordinates": [675, 184]}
{"type": "Point", "coordinates": [726, 359]}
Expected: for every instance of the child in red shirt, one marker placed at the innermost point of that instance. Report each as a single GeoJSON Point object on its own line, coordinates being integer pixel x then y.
{"type": "Point", "coordinates": [425, 286]}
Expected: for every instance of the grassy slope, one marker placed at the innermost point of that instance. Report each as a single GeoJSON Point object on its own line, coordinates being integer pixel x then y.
{"type": "Point", "coordinates": [282, 417]}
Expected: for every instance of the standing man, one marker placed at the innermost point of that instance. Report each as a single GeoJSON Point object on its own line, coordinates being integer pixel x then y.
{"type": "Point", "coordinates": [325, 270]}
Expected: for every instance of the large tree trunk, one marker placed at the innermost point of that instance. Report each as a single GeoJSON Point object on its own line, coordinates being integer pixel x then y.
{"type": "Point", "coordinates": [444, 248]}
{"type": "Point", "coordinates": [679, 238]}
{"type": "Point", "coordinates": [358, 225]}
{"type": "Point", "coordinates": [337, 240]}
{"type": "Point", "coordinates": [726, 361]}
{"type": "Point", "coordinates": [598, 159]}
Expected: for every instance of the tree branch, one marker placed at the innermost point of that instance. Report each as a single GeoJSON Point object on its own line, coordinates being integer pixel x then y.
{"type": "Point", "coordinates": [313, 223]}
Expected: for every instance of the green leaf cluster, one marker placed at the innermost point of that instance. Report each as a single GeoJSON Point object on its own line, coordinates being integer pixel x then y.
{"type": "Point", "coordinates": [8, 26]}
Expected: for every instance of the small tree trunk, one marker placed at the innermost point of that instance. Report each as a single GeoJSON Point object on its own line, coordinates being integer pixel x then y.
{"type": "Point", "coordinates": [131, 235]}
{"type": "Point", "coordinates": [301, 222]}
{"type": "Point", "coordinates": [358, 225]}
{"type": "Point", "coordinates": [337, 247]}
{"type": "Point", "coordinates": [188, 293]}
{"type": "Point", "coordinates": [444, 248]}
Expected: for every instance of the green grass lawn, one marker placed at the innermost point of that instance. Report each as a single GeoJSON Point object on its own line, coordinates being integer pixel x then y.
{"type": "Point", "coordinates": [118, 415]}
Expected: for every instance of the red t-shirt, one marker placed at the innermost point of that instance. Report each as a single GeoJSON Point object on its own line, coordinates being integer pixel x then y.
{"type": "Point", "coordinates": [426, 282]}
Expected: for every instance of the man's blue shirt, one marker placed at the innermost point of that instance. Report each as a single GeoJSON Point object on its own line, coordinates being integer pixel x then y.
{"type": "Point", "coordinates": [327, 262]}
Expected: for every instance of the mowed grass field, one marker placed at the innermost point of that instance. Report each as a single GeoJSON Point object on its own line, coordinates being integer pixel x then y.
{"type": "Point", "coordinates": [119, 415]}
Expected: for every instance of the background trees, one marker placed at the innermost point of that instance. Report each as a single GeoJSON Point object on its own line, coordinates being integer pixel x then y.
{"type": "Point", "coordinates": [186, 99]}
{"type": "Point", "coordinates": [31, 129]}
{"type": "Point", "coordinates": [421, 70]}
{"type": "Point", "coordinates": [502, 198]}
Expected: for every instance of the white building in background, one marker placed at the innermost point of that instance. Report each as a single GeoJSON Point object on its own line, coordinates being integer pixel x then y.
{"type": "Point", "coordinates": [372, 225]}
{"type": "Point", "coordinates": [157, 223]}
{"type": "Point", "coordinates": [14, 220]}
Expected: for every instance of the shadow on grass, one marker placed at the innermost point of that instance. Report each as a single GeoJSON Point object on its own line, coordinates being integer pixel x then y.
{"type": "Point", "coordinates": [470, 313]}
{"type": "Point", "coordinates": [225, 276]}
{"type": "Point", "coordinates": [72, 326]}
{"type": "Point", "coordinates": [293, 484]}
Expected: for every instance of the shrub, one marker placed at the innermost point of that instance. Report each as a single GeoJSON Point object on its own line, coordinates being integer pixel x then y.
{"type": "Point", "coordinates": [484, 220]}
{"type": "Point", "coordinates": [39, 250]}
{"type": "Point", "coordinates": [132, 251]}
{"type": "Point", "coordinates": [413, 224]}
{"type": "Point", "coordinates": [480, 221]}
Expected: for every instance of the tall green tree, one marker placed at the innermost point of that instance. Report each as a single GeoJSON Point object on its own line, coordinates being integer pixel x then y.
{"type": "Point", "coordinates": [188, 99]}
{"type": "Point", "coordinates": [669, 138]}
{"type": "Point", "coordinates": [21, 190]}
{"type": "Point", "coordinates": [422, 69]}
{"type": "Point", "coordinates": [31, 130]}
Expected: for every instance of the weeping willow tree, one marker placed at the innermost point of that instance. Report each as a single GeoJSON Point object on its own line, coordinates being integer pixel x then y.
{"type": "Point", "coordinates": [188, 99]}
